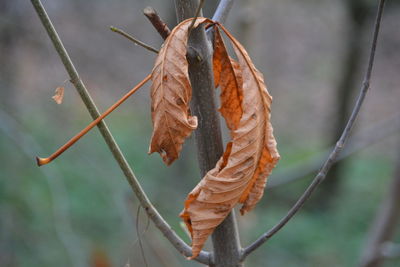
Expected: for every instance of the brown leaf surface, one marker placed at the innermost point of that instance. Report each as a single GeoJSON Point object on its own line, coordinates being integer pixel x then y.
{"type": "Point", "coordinates": [240, 175]}
{"type": "Point", "coordinates": [170, 95]}
{"type": "Point", "coordinates": [227, 76]}
{"type": "Point", "coordinates": [59, 95]}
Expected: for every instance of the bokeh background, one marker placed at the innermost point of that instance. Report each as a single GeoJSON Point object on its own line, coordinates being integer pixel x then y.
{"type": "Point", "coordinates": [79, 210]}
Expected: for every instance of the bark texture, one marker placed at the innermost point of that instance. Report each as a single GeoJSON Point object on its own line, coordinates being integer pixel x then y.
{"type": "Point", "coordinates": [208, 134]}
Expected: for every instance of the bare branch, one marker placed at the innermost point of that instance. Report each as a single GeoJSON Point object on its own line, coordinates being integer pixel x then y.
{"type": "Point", "coordinates": [131, 38]}
{"type": "Point", "coordinates": [152, 212]}
{"type": "Point", "coordinates": [220, 15]}
{"type": "Point", "coordinates": [222, 10]}
{"type": "Point", "coordinates": [157, 22]}
{"type": "Point", "coordinates": [336, 151]}
{"type": "Point", "coordinates": [361, 140]}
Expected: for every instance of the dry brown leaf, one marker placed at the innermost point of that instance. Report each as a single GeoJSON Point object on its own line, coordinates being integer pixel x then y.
{"type": "Point", "coordinates": [227, 76]}
{"type": "Point", "coordinates": [170, 95]}
{"type": "Point", "coordinates": [241, 173]}
{"type": "Point", "coordinates": [59, 95]}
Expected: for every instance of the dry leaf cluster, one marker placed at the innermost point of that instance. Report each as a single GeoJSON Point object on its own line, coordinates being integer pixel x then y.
{"type": "Point", "coordinates": [240, 174]}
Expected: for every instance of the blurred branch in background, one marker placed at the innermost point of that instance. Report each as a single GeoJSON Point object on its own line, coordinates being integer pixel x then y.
{"type": "Point", "coordinates": [378, 245]}
{"type": "Point", "coordinates": [358, 13]}
{"type": "Point", "coordinates": [158, 220]}
{"type": "Point", "coordinates": [362, 139]}
{"type": "Point", "coordinates": [59, 196]}
{"type": "Point", "coordinates": [337, 149]}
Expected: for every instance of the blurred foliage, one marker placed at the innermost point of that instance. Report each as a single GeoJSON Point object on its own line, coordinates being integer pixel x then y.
{"type": "Point", "coordinates": [80, 205]}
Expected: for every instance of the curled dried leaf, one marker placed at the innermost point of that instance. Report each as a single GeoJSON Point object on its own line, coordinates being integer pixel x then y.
{"type": "Point", "coordinates": [170, 95]}
{"type": "Point", "coordinates": [228, 77]}
{"type": "Point", "coordinates": [59, 95]}
{"type": "Point", "coordinates": [240, 175]}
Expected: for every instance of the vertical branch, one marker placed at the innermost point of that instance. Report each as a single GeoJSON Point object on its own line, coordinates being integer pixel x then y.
{"type": "Point", "coordinates": [151, 211]}
{"type": "Point", "coordinates": [208, 134]}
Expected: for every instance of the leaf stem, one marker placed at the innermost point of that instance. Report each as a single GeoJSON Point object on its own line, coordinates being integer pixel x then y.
{"type": "Point", "coordinates": [73, 140]}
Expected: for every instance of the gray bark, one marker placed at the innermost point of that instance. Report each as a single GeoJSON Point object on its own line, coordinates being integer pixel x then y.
{"type": "Point", "coordinates": [208, 134]}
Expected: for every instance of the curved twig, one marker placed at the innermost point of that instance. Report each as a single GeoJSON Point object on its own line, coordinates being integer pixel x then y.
{"type": "Point", "coordinates": [152, 212]}
{"type": "Point", "coordinates": [334, 154]}
{"type": "Point", "coordinates": [366, 137]}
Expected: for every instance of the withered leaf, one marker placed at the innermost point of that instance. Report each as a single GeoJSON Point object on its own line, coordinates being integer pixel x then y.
{"type": "Point", "coordinates": [170, 95]}
{"type": "Point", "coordinates": [227, 76]}
{"type": "Point", "coordinates": [58, 95]}
{"type": "Point", "coordinates": [240, 175]}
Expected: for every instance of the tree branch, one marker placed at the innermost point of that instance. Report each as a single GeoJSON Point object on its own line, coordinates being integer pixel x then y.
{"type": "Point", "coordinates": [131, 38]}
{"type": "Point", "coordinates": [365, 138]}
{"type": "Point", "coordinates": [222, 10]}
{"type": "Point", "coordinates": [225, 237]}
{"type": "Point", "coordinates": [157, 22]}
{"type": "Point", "coordinates": [220, 15]}
{"type": "Point", "coordinates": [336, 151]}
{"type": "Point", "coordinates": [153, 214]}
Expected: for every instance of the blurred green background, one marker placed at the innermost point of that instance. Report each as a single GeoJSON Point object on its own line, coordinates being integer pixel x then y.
{"type": "Point", "coordinates": [80, 209]}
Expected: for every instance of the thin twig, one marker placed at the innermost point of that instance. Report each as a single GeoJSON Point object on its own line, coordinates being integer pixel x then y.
{"type": "Point", "coordinates": [157, 22]}
{"type": "Point", "coordinates": [359, 141]}
{"type": "Point", "coordinates": [196, 14]}
{"type": "Point", "coordinates": [334, 154]}
{"type": "Point", "coordinates": [133, 39]}
{"type": "Point", "coordinates": [152, 212]}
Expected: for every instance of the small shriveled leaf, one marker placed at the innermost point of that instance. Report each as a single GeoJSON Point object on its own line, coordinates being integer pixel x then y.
{"type": "Point", "coordinates": [170, 95]}
{"type": "Point", "coordinates": [240, 175]}
{"type": "Point", "coordinates": [58, 95]}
